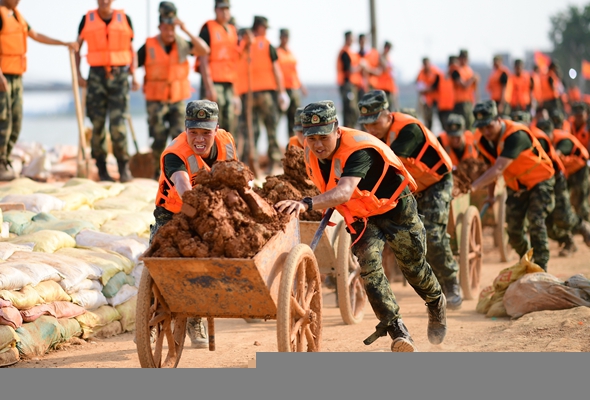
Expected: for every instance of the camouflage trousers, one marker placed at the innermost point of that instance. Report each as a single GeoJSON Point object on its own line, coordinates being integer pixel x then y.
{"type": "Point", "coordinates": [11, 115]}
{"type": "Point", "coordinates": [533, 206]}
{"type": "Point", "coordinates": [108, 96]}
{"type": "Point", "coordinates": [562, 221]}
{"type": "Point", "coordinates": [265, 110]}
{"type": "Point", "coordinates": [434, 203]}
{"type": "Point", "coordinates": [295, 97]}
{"type": "Point", "coordinates": [466, 110]}
{"type": "Point", "coordinates": [579, 190]}
{"type": "Point", "coordinates": [162, 217]}
{"type": "Point", "coordinates": [225, 97]}
{"type": "Point", "coordinates": [165, 120]}
{"type": "Point", "coordinates": [427, 114]}
{"type": "Point", "coordinates": [350, 112]}
{"type": "Point", "coordinates": [405, 234]}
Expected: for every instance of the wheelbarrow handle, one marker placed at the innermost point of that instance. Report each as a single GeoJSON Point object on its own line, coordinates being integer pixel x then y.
{"type": "Point", "coordinates": [484, 209]}
{"type": "Point", "coordinates": [321, 228]}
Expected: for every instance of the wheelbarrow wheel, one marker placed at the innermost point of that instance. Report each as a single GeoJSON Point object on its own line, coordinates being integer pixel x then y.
{"type": "Point", "coordinates": [349, 285]}
{"type": "Point", "coordinates": [299, 314]}
{"type": "Point", "coordinates": [160, 334]}
{"type": "Point", "coordinates": [470, 253]}
{"type": "Point", "coordinates": [500, 233]}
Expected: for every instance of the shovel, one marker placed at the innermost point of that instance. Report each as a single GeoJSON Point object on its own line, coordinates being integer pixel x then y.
{"type": "Point", "coordinates": [83, 161]}
{"type": "Point", "coordinates": [140, 165]}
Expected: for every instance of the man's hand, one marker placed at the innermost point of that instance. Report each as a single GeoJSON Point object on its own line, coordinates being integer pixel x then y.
{"type": "Point", "coordinates": [237, 102]}
{"type": "Point", "coordinates": [82, 82]}
{"type": "Point", "coordinates": [490, 200]}
{"type": "Point", "coordinates": [284, 101]}
{"type": "Point", "coordinates": [3, 83]}
{"type": "Point", "coordinates": [211, 94]}
{"type": "Point", "coordinates": [291, 206]}
{"type": "Point", "coordinates": [135, 84]}
{"type": "Point", "coordinates": [73, 45]}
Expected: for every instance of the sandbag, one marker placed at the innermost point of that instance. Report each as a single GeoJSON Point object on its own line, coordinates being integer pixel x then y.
{"type": "Point", "coordinates": [8, 337]}
{"type": "Point", "coordinates": [126, 224]}
{"type": "Point", "coordinates": [46, 241]}
{"type": "Point", "coordinates": [51, 291]}
{"type": "Point", "coordinates": [12, 278]}
{"type": "Point", "coordinates": [37, 271]}
{"type": "Point", "coordinates": [9, 356]}
{"type": "Point", "coordinates": [541, 291]}
{"type": "Point", "coordinates": [22, 186]}
{"type": "Point", "coordinates": [127, 311]}
{"type": "Point", "coordinates": [58, 309]}
{"type": "Point", "coordinates": [144, 191]}
{"type": "Point", "coordinates": [70, 328]}
{"type": "Point", "coordinates": [110, 263]}
{"type": "Point", "coordinates": [88, 284]}
{"type": "Point", "coordinates": [95, 217]}
{"type": "Point", "coordinates": [128, 247]}
{"type": "Point", "coordinates": [35, 202]}
{"type": "Point", "coordinates": [22, 299]}
{"type": "Point", "coordinates": [18, 220]}
{"type": "Point", "coordinates": [10, 316]}
{"type": "Point", "coordinates": [8, 249]}
{"type": "Point", "coordinates": [45, 221]}
{"type": "Point", "coordinates": [107, 331]}
{"type": "Point", "coordinates": [119, 203]}
{"type": "Point", "coordinates": [89, 299]}
{"type": "Point", "coordinates": [96, 319]}
{"type": "Point", "coordinates": [125, 293]}
{"type": "Point", "coordinates": [116, 283]}
{"type": "Point", "coordinates": [137, 271]}
{"type": "Point", "coordinates": [38, 337]}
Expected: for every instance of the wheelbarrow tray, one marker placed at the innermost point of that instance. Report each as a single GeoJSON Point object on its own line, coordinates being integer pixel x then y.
{"type": "Point", "coordinates": [325, 252]}
{"type": "Point", "coordinates": [226, 287]}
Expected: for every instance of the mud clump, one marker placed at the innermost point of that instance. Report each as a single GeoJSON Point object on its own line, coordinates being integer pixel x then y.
{"type": "Point", "coordinates": [221, 217]}
{"type": "Point", "coordinates": [292, 185]}
{"type": "Point", "coordinates": [466, 173]}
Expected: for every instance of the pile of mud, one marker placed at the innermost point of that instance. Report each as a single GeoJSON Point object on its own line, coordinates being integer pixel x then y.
{"type": "Point", "coordinates": [466, 172]}
{"type": "Point", "coordinates": [292, 185]}
{"type": "Point", "coordinates": [221, 217]}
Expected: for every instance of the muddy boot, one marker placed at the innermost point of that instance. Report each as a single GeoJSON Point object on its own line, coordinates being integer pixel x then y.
{"type": "Point", "coordinates": [584, 230]}
{"type": "Point", "coordinates": [103, 174]}
{"type": "Point", "coordinates": [452, 293]}
{"type": "Point", "coordinates": [402, 341]}
{"type": "Point", "coordinates": [124, 174]}
{"type": "Point", "coordinates": [197, 333]}
{"type": "Point", "coordinates": [568, 249]}
{"type": "Point", "coordinates": [6, 174]}
{"type": "Point", "coordinates": [437, 320]}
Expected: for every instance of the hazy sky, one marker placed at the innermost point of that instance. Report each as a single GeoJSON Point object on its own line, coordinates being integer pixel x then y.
{"type": "Point", "coordinates": [417, 28]}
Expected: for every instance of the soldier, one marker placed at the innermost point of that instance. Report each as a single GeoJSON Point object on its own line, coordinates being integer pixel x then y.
{"type": "Point", "coordinates": [345, 163]}
{"type": "Point", "coordinates": [108, 34]}
{"type": "Point", "coordinates": [578, 181]}
{"type": "Point", "coordinates": [465, 84]}
{"type": "Point", "coordinates": [458, 142]}
{"type": "Point", "coordinates": [267, 82]}
{"type": "Point", "coordinates": [515, 153]}
{"type": "Point", "coordinates": [522, 88]}
{"type": "Point", "coordinates": [14, 31]}
{"type": "Point", "coordinates": [298, 139]}
{"type": "Point", "coordinates": [429, 164]}
{"type": "Point", "coordinates": [383, 78]}
{"type": "Point", "coordinates": [500, 86]}
{"type": "Point", "coordinates": [549, 89]}
{"type": "Point", "coordinates": [293, 85]}
{"type": "Point", "coordinates": [166, 80]}
{"type": "Point", "coordinates": [199, 146]}
{"type": "Point", "coordinates": [349, 78]}
{"type": "Point", "coordinates": [218, 68]}
{"type": "Point", "coordinates": [427, 83]}
{"type": "Point", "coordinates": [579, 123]}
{"type": "Point", "coordinates": [446, 92]}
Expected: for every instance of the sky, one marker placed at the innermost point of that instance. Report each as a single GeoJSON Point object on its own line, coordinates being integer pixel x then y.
{"type": "Point", "coordinates": [417, 28]}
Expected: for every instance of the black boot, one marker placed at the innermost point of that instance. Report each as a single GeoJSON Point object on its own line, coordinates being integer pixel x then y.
{"type": "Point", "coordinates": [437, 320]}
{"type": "Point", "coordinates": [453, 294]}
{"type": "Point", "coordinates": [402, 341]}
{"type": "Point", "coordinates": [124, 174]}
{"type": "Point", "coordinates": [103, 174]}
{"type": "Point", "coordinates": [6, 174]}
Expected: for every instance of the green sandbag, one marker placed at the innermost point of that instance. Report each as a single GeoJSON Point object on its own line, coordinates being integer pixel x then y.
{"type": "Point", "coordinates": [43, 221]}
{"type": "Point", "coordinates": [37, 338]}
{"type": "Point", "coordinates": [116, 283]}
{"type": "Point", "coordinates": [18, 220]}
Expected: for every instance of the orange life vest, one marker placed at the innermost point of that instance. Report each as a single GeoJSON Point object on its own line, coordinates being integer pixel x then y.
{"type": "Point", "coordinates": [446, 93]}
{"type": "Point", "coordinates": [108, 45]}
{"type": "Point", "coordinates": [463, 95]}
{"type": "Point", "coordinates": [241, 82]}
{"type": "Point", "coordinates": [579, 155]}
{"type": "Point", "coordinates": [581, 133]}
{"type": "Point", "coordinates": [470, 148]}
{"type": "Point", "coordinates": [527, 169]}
{"type": "Point", "coordinates": [428, 79]}
{"type": "Point", "coordinates": [263, 76]}
{"type": "Point", "coordinates": [574, 94]}
{"type": "Point", "coordinates": [424, 175]}
{"type": "Point", "coordinates": [540, 135]}
{"type": "Point", "coordinates": [495, 87]}
{"type": "Point", "coordinates": [362, 203]}
{"type": "Point", "coordinates": [521, 90]}
{"type": "Point", "coordinates": [288, 64]}
{"type": "Point", "coordinates": [547, 92]}
{"type": "Point", "coordinates": [224, 54]}
{"type": "Point", "coordinates": [537, 92]}
{"type": "Point", "coordinates": [385, 81]}
{"type": "Point", "coordinates": [355, 78]}
{"type": "Point", "coordinates": [13, 42]}
{"type": "Point", "coordinates": [167, 196]}
{"type": "Point", "coordinates": [166, 79]}
{"type": "Point", "coordinates": [294, 142]}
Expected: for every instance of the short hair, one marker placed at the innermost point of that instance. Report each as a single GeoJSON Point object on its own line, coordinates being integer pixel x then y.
{"type": "Point", "coordinates": [362, 36]}
{"type": "Point", "coordinates": [347, 34]}
{"type": "Point", "coordinates": [425, 59]}
{"type": "Point", "coordinates": [518, 61]}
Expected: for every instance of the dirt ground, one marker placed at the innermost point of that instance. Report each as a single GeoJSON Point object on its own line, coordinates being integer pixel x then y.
{"type": "Point", "coordinates": [237, 341]}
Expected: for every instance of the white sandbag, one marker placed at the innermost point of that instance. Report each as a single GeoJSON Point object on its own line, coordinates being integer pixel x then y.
{"type": "Point", "coordinates": [109, 262]}
{"type": "Point", "coordinates": [12, 278]}
{"type": "Point", "coordinates": [38, 272]}
{"type": "Point", "coordinates": [126, 224]}
{"type": "Point", "coordinates": [89, 299]}
{"type": "Point", "coordinates": [8, 249]}
{"type": "Point", "coordinates": [137, 271]}
{"type": "Point", "coordinates": [87, 284]}
{"type": "Point", "coordinates": [36, 202]}
{"type": "Point", "coordinates": [129, 247]}
{"type": "Point", "coordinates": [119, 203]}
{"type": "Point", "coordinates": [95, 217]}
{"type": "Point", "coordinates": [125, 293]}
{"type": "Point", "coordinates": [46, 241]}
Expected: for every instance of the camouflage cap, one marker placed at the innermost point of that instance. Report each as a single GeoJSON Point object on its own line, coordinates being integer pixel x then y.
{"type": "Point", "coordinates": [455, 125]}
{"type": "Point", "coordinates": [546, 125]}
{"type": "Point", "coordinates": [463, 53]}
{"type": "Point", "coordinates": [297, 127]}
{"type": "Point", "coordinates": [259, 20]}
{"type": "Point", "coordinates": [202, 114]}
{"type": "Point", "coordinates": [409, 111]}
{"type": "Point", "coordinates": [318, 118]}
{"type": "Point", "coordinates": [222, 4]}
{"type": "Point", "coordinates": [579, 107]}
{"type": "Point", "coordinates": [370, 105]}
{"type": "Point", "coordinates": [484, 113]}
{"type": "Point", "coordinates": [521, 116]}
{"type": "Point", "coordinates": [284, 32]}
{"type": "Point", "coordinates": [167, 11]}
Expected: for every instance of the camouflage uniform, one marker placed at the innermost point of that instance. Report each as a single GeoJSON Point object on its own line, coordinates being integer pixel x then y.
{"type": "Point", "coordinates": [11, 115]}
{"type": "Point", "coordinates": [562, 221]}
{"type": "Point", "coordinates": [266, 110]}
{"type": "Point", "coordinates": [348, 94]}
{"type": "Point", "coordinates": [165, 120]}
{"type": "Point", "coordinates": [295, 97]}
{"type": "Point", "coordinates": [108, 96]}
{"type": "Point", "coordinates": [225, 96]}
{"type": "Point", "coordinates": [579, 192]}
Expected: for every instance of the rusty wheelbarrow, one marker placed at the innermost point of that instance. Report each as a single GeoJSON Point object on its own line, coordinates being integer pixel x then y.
{"type": "Point", "coordinates": [335, 257]}
{"type": "Point", "coordinates": [281, 282]}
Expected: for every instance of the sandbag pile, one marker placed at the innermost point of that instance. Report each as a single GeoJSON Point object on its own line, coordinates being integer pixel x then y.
{"type": "Point", "coordinates": [69, 266]}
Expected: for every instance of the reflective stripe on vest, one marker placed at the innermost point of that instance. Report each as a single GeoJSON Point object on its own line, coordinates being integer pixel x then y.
{"type": "Point", "coordinates": [13, 42]}
{"type": "Point", "coordinates": [108, 45]}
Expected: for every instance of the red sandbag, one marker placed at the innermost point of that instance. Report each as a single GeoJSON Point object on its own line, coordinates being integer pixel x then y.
{"type": "Point", "coordinates": [5, 303]}
{"type": "Point", "coordinates": [11, 316]}
{"type": "Point", "coordinates": [57, 309]}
